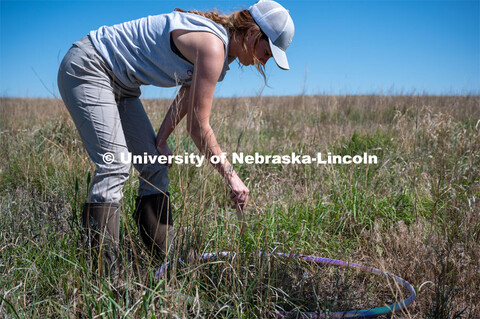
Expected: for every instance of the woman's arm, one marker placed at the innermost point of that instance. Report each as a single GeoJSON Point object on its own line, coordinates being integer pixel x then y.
{"type": "Point", "coordinates": [175, 114]}
{"type": "Point", "coordinates": [208, 53]}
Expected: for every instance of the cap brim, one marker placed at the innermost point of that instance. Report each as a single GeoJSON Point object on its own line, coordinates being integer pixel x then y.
{"type": "Point", "coordinates": [279, 56]}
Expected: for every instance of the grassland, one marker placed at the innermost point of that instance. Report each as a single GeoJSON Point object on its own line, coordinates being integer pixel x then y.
{"type": "Point", "coordinates": [415, 214]}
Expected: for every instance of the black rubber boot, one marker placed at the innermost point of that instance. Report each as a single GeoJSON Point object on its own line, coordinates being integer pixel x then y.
{"type": "Point", "coordinates": [153, 216]}
{"type": "Point", "coordinates": [101, 223]}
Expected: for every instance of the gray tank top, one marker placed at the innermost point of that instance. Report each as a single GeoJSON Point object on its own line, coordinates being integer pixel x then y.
{"type": "Point", "coordinates": [140, 52]}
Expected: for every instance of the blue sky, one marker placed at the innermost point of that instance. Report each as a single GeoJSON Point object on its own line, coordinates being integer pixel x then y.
{"type": "Point", "coordinates": [340, 47]}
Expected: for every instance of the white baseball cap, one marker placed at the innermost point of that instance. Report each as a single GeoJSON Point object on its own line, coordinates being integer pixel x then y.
{"type": "Point", "coordinates": [275, 21]}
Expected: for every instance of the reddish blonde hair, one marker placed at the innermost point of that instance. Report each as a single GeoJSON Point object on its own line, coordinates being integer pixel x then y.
{"type": "Point", "coordinates": [237, 23]}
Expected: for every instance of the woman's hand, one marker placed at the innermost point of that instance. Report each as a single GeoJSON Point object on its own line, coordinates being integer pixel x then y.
{"type": "Point", "coordinates": [163, 149]}
{"type": "Point", "coordinates": [238, 192]}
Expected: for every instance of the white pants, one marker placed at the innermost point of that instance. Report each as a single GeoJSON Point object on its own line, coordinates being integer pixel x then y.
{"type": "Point", "coordinates": [110, 119]}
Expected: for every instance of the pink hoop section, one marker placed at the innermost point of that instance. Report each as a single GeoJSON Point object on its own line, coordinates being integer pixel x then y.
{"type": "Point", "coordinates": [364, 313]}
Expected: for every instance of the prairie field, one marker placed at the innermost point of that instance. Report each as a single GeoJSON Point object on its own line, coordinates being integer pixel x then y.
{"type": "Point", "coordinates": [415, 214]}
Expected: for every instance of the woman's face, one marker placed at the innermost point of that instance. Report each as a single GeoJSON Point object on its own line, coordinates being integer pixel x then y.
{"type": "Point", "coordinates": [262, 51]}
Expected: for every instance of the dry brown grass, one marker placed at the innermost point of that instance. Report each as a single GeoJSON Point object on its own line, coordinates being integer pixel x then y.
{"type": "Point", "coordinates": [416, 214]}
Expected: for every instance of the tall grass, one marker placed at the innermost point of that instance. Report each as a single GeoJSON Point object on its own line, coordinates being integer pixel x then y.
{"type": "Point", "coordinates": [415, 214]}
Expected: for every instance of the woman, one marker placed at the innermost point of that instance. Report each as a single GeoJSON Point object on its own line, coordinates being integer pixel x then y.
{"type": "Point", "coordinates": [99, 81]}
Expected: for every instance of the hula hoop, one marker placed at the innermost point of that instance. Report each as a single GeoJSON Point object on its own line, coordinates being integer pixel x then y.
{"type": "Point", "coordinates": [364, 313]}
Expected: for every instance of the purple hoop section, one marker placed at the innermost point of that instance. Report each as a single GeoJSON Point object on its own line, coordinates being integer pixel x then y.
{"type": "Point", "coordinates": [365, 313]}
